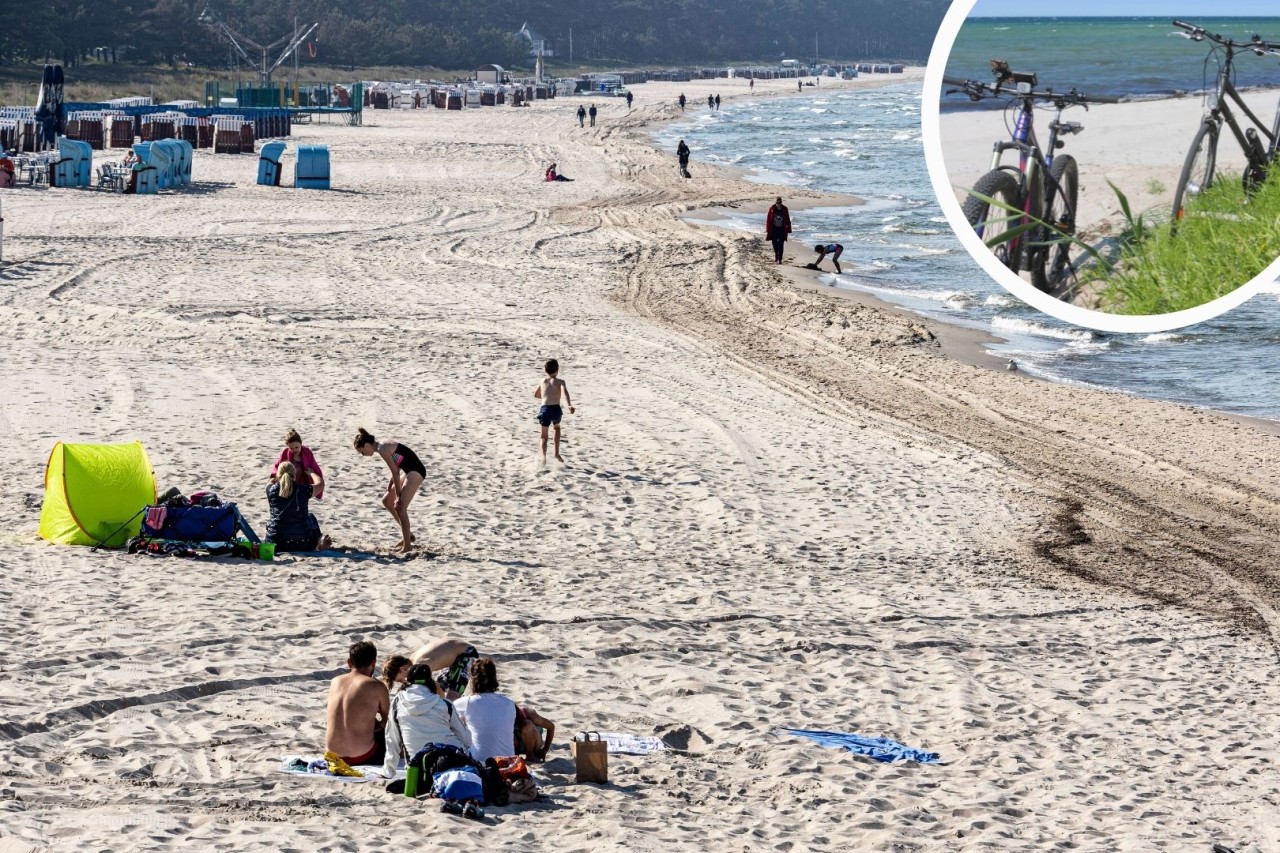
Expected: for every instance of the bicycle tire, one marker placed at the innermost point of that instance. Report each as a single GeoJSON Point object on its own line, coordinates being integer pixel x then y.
{"type": "Point", "coordinates": [1197, 170]}
{"type": "Point", "coordinates": [998, 184]}
{"type": "Point", "coordinates": [1052, 267]}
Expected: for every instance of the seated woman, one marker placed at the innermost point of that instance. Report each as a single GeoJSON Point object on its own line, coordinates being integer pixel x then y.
{"type": "Point", "coordinates": [292, 527]}
{"type": "Point", "coordinates": [306, 469]}
{"type": "Point", "coordinates": [490, 717]}
{"type": "Point", "coordinates": [528, 734]}
{"type": "Point", "coordinates": [395, 672]}
{"type": "Point", "coordinates": [419, 716]}
{"type": "Point", "coordinates": [553, 175]}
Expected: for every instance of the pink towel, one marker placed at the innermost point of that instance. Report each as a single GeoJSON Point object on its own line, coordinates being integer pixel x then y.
{"type": "Point", "coordinates": [156, 516]}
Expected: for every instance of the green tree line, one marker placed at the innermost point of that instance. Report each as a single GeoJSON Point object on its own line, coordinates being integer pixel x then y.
{"type": "Point", "coordinates": [456, 35]}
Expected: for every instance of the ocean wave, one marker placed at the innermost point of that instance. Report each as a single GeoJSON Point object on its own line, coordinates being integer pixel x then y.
{"type": "Point", "coordinates": [1164, 338]}
{"type": "Point", "coordinates": [1018, 325]}
{"type": "Point", "coordinates": [999, 300]}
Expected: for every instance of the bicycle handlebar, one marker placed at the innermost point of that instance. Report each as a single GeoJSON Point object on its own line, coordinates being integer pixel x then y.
{"type": "Point", "coordinates": [1257, 45]}
{"type": "Point", "coordinates": [977, 90]}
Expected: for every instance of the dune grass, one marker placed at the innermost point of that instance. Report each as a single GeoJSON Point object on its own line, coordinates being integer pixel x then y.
{"type": "Point", "coordinates": [1225, 240]}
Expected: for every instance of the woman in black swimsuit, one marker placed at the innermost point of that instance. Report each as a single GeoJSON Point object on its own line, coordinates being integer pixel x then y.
{"type": "Point", "coordinates": [407, 475]}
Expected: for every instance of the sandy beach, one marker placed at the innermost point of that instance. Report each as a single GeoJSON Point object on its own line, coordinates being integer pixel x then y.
{"type": "Point", "coordinates": [780, 507]}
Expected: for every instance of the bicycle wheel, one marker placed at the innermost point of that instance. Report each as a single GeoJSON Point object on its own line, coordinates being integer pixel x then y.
{"type": "Point", "coordinates": [991, 223]}
{"type": "Point", "coordinates": [1051, 263]}
{"type": "Point", "coordinates": [1197, 171]}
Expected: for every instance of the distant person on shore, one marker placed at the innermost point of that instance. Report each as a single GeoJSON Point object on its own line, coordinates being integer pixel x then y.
{"type": "Point", "coordinates": [717, 103]}
{"type": "Point", "coordinates": [357, 705]}
{"type": "Point", "coordinates": [549, 391]}
{"type": "Point", "coordinates": [292, 527]}
{"type": "Point", "coordinates": [799, 85]}
{"type": "Point", "coordinates": [407, 476]}
{"type": "Point", "coordinates": [682, 154]}
{"type": "Point", "coordinates": [592, 112]}
{"type": "Point", "coordinates": [553, 175]}
{"type": "Point", "coordinates": [682, 102]}
{"type": "Point", "coordinates": [711, 102]}
{"type": "Point", "coordinates": [751, 83]}
{"type": "Point", "coordinates": [832, 249]}
{"type": "Point", "coordinates": [629, 97]}
{"type": "Point", "coordinates": [306, 469]}
{"type": "Point", "coordinates": [777, 225]}
{"type": "Point", "coordinates": [582, 115]}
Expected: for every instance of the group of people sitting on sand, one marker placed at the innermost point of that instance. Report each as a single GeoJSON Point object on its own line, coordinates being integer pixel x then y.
{"type": "Point", "coordinates": [443, 693]}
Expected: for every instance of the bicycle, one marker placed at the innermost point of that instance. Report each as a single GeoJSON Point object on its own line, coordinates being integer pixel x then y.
{"type": "Point", "coordinates": [1198, 169]}
{"type": "Point", "coordinates": [1043, 186]}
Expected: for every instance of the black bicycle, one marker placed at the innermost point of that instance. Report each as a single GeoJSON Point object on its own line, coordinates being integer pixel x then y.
{"type": "Point", "coordinates": [1198, 169]}
{"type": "Point", "coordinates": [1044, 186]}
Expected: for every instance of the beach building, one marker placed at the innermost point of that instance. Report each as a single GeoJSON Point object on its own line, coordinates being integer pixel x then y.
{"type": "Point", "coordinates": [490, 74]}
{"type": "Point", "coordinates": [539, 45]}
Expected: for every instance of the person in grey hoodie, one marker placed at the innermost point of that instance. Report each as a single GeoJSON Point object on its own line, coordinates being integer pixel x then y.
{"type": "Point", "coordinates": [420, 716]}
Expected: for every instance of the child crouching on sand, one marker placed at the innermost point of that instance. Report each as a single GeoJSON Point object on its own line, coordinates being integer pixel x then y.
{"type": "Point", "coordinates": [550, 413]}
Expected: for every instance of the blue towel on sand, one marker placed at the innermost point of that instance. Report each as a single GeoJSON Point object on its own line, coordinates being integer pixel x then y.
{"type": "Point", "coordinates": [879, 748]}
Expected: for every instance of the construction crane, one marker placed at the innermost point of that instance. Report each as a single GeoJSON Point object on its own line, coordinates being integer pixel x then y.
{"type": "Point", "coordinates": [239, 41]}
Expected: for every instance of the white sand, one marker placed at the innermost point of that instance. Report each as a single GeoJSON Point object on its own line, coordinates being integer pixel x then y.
{"type": "Point", "coordinates": [780, 508]}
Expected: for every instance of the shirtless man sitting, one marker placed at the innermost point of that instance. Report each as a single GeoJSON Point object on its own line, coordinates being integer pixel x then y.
{"type": "Point", "coordinates": [357, 710]}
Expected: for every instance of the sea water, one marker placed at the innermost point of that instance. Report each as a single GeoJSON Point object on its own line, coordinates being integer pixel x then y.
{"type": "Point", "coordinates": [1127, 58]}
{"type": "Point", "coordinates": [899, 247]}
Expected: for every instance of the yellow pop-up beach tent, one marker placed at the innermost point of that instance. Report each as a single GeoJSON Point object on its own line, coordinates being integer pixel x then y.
{"type": "Point", "coordinates": [91, 491]}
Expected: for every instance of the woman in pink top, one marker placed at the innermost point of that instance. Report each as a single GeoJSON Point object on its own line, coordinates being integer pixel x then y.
{"type": "Point", "coordinates": [304, 463]}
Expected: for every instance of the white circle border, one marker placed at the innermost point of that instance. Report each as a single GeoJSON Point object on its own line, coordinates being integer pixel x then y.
{"type": "Point", "coordinates": [930, 127]}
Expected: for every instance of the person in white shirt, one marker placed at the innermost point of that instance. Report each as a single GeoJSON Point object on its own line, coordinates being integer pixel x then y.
{"type": "Point", "coordinates": [489, 716]}
{"type": "Point", "coordinates": [420, 716]}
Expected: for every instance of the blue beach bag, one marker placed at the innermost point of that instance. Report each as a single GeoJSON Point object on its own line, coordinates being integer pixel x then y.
{"type": "Point", "coordinates": [459, 785]}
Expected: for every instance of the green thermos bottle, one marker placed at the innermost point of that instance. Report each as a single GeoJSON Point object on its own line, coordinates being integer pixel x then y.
{"type": "Point", "coordinates": [412, 777]}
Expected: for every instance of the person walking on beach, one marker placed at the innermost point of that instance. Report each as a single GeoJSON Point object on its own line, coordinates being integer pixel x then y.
{"type": "Point", "coordinates": [799, 85]}
{"type": "Point", "coordinates": [682, 102]}
{"type": "Point", "coordinates": [777, 225]}
{"type": "Point", "coordinates": [717, 103]}
{"type": "Point", "coordinates": [832, 249]}
{"type": "Point", "coordinates": [751, 84]}
{"type": "Point", "coordinates": [357, 704]}
{"type": "Point", "coordinates": [711, 102]}
{"type": "Point", "coordinates": [592, 112]}
{"type": "Point", "coordinates": [629, 96]}
{"type": "Point", "coordinates": [549, 391]}
{"type": "Point", "coordinates": [582, 115]}
{"type": "Point", "coordinates": [682, 154]}
{"type": "Point", "coordinates": [407, 476]}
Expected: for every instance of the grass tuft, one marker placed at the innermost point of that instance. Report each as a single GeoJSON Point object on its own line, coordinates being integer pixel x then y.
{"type": "Point", "coordinates": [1224, 241]}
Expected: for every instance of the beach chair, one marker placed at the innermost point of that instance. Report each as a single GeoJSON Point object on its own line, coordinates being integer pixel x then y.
{"type": "Point", "coordinates": [311, 171]}
{"type": "Point", "coordinates": [269, 168]}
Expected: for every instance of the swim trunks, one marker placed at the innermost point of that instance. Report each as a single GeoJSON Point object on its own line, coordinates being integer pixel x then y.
{"type": "Point", "coordinates": [548, 415]}
{"type": "Point", "coordinates": [373, 756]}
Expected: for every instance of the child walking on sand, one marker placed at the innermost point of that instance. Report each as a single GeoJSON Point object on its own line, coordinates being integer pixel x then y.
{"type": "Point", "coordinates": [549, 414]}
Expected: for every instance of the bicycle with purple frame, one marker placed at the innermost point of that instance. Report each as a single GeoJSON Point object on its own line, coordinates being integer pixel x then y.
{"type": "Point", "coordinates": [1042, 188]}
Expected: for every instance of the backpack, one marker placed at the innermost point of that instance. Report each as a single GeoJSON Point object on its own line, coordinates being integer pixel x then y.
{"type": "Point", "coordinates": [520, 785]}
{"type": "Point", "coordinates": [779, 221]}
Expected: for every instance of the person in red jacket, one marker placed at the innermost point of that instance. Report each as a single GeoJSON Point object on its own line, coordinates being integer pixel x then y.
{"type": "Point", "coordinates": [777, 225]}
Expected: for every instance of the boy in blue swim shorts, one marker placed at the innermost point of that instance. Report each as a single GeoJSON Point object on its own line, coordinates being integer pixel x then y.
{"type": "Point", "coordinates": [549, 391]}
